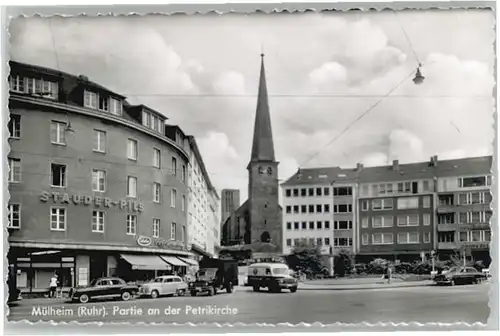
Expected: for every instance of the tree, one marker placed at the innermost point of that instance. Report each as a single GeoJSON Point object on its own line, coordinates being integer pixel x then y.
{"type": "Point", "coordinates": [306, 258]}
{"type": "Point", "coordinates": [343, 262]}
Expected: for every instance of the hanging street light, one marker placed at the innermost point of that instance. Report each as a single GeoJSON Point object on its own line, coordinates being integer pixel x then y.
{"type": "Point", "coordinates": [418, 79]}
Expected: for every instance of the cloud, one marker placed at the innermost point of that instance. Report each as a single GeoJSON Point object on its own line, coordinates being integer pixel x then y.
{"type": "Point", "coordinates": [202, 73]}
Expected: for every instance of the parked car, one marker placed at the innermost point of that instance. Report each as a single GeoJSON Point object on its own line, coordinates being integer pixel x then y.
{"type": "Point", "coordinates": [215, 275]}
{"type": "Point", "coordinates": [460, 275]}
{"type": "Point", "coordinates": [104, 288]}
{"type": "Point", "coordinates": [164, 285]}
{"type": "Point", "coordinates": [273, 276]}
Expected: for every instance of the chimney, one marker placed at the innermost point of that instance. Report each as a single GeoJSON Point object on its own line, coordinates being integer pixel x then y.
{"type": "Point", "coordinates": [395, 165]}
{"type": "Point", "coordinates": [359, 167]}
{"type": "Point", "coordinates": [434, 161]}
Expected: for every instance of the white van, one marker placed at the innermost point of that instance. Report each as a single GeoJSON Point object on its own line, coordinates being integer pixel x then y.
{"type": "Point", "coordinates": [273, 276]}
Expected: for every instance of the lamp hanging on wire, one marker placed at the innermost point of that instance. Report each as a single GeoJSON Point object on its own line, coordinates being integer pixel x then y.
{"type": "Point", "coordinates": [419, 78]}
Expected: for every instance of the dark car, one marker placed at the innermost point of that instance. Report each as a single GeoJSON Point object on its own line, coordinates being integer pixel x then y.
{"type": "Point", "coordinates": [460, 275]}
{"type": "Point", "coordinates": [104, 288]}
{"type": "Point", "coordinates": [221, 275]}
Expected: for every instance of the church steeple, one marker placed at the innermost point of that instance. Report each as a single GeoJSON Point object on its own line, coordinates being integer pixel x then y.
{"type": "Point", "coordinates": [263, 146]}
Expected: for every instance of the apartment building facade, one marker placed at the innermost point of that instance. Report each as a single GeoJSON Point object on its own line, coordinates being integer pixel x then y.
{"type": "Point", "coordinates": [320, 209]}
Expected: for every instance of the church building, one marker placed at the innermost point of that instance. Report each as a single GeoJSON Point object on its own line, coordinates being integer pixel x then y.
{"type": "Point", "coordinates": [259, 219]}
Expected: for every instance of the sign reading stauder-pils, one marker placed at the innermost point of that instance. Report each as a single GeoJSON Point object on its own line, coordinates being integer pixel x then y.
{"type": "Point", "coordinates": [97, 201]}
{"type": "Point", "coordinates": [161, 243]}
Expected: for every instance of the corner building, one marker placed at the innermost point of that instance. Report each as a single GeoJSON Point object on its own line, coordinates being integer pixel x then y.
{"type": "Point", "coordinates": [96, 187]}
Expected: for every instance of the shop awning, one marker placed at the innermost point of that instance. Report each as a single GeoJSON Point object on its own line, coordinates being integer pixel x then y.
{"type": "Point", "coordinates": [188, 261]}
{"type": "Point", "coordinates": [146, 262]}
{"type": "Point", "coordinates": [174, 261]}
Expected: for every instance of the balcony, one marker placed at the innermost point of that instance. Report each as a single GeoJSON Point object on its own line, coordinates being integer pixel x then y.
{"type": "Point", "coordinates": [476, 245]}
{"type": "Point", "coordinates": [446, 208]}
{"type": "Point", "coordinates": [447, 245]}
{"type": "Point", "coordinates": [447, 227]}
{"type": "Point", "coordinates": [481, 226]}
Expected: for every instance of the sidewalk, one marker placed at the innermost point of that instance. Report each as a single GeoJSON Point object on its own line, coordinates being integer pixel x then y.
{"type": "Point", "coordinates": [342, 285]}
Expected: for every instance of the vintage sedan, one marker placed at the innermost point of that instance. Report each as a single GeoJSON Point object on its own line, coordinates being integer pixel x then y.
{"type": "Point", "coordinates": [460, 275]}
{"type": "Point", "coordinates": [164, 285]}
{"type": "Point", "coordinates": [104, 288]}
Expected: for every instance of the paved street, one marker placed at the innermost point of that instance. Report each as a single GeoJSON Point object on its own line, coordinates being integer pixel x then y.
{"type": "Point", "coordinates": [422, 304]}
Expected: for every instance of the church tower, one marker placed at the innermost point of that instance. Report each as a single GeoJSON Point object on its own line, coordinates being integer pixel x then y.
{"type": "Point", "coordinates": [263, 185]}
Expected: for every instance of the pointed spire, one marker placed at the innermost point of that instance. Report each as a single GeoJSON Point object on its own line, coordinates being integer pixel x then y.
{"type": "Point", "coordinates": [263, 146]}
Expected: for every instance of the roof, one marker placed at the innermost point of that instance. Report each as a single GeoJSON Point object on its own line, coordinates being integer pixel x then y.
{"type": "Point", "coordinates": [394, 172]}
{"type": "Point", "coordinates": [263, 145]}
{"type": "Point", "coordinates": [52, 72]}
{"type": "Point", "coordinates": [144, 107]}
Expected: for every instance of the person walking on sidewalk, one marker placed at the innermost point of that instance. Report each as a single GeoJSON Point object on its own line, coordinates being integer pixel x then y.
{"type": "Point", "coordinates": [387, 274]}
{"type": "Point", "coordinates": [53, 286]}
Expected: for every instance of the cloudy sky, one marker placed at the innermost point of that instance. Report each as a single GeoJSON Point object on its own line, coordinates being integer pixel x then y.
{"type": "Point", "coordinates": [323, 72]}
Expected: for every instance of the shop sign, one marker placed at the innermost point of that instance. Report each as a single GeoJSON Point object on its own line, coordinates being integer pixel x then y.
{"type": "Point", "coordinates": [97, 201]}
{"type": "Point", "coordinates": [160, 243]}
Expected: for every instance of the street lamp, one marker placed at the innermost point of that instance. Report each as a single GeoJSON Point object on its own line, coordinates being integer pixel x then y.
{"type": "Point", "coordinates": [418, 79]}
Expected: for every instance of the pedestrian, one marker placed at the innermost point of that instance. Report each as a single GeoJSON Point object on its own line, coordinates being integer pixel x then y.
{"type": "Point", "coordinates": [389, 274]}
{"type": "Point", "coordinates": [53, 286]}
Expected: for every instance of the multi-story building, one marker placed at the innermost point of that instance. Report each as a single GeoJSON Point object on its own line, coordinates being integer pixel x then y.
{"type": "Point", "coordinates": [84, 209]}
{"type": "Point", "coordinates": [320, 209]}
{"type": "Point", "coordinates": [396, 211]}
{"type": "Point", "coordinates": [464, 207]}
{"type": "Point", "coordinates": [230, 201]}
{"type": "Point", "coordinates": [203, 201]}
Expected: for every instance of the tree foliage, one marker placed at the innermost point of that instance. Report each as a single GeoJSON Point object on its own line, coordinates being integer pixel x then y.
{"type": "Point", "coordinates": [306, 258]}
{"type": "Point", "coordinates": [343, 263]}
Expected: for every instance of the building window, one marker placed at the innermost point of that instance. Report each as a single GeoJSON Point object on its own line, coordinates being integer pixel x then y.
{"type": "Point", "coordinates": [319, 191]}
{"type": "Point", "coordinates": [296, 209]}
{"type": "Point", "coordinates": [427, 237]}
{"type": "Point", "coordinates": [319, 241]}
{"type": "Point", "coordinates": [289, 242]}
{"type": "Point", "coordinates": [58, 132]}
{"type": "Point", "coordinates": [342, 191]}
{"type": "Point", "coordinates": [131, 224]}
{"type": "Point", "coordinates": [382, 204]}
{"type": "Point", "coordinates": [183, 238]}
{"type": "Point", "coordinates": [408, 203]}
{"type": "Point", "coordinates": [132, 186]}
{"type": "Point", "coordinates": [342, 208]}
{"type": "Point", "coordinates": [326, 191]}
{"type": "Point", "coordinates": [382, 221]}
{"type": "Point", "coordinates": [156, 192]}
{"type": "Point", "coordinates": [304, 225]}
{"type": "Point", "coordinates": [146, 118]}
{"type": "Point", "coordinates": [296, 225]}
{"type": "Point", "coordinates": [365, 205]}
{"type": "Point", "coordinates": [97, 221]}
{"type": "Point", "coordinates": [132, 149]}
{"type": "Point", "coordinates": [14, 216]}
{"type": "Point", "coordinates": [382, 239]}
{"type": "Point", "coordinates": [15, 126]}
{"type": "Point", "coordinates": [103, 103]}
{"type": "Point", "coordinates": [427, 201]}
{"type": "Point", "coordinates": [365, 222]}
{"type": "Point", "coordinates": [303, 209]}
{"type": "Point", "coordinates": [326, 208]}
{"type": "Point", "coordinates": [311, 208]}
{"type": "Point", "coordinates": [90, 99]}
{"type": "Point", "coordinates": [319, 208]}
{"type": "Point", "coordinates": [288, 209]}
{"type": "Point", "coordinates": [173, 198]}
{"type": "Point", "coordinates": [342, 225]}
{"type": "Point", "coordinates": [365, 190]}
{"type": "Point", "coordinates": [15, 170]}
{"type": "Point", "coordinates": [327, 224]}
{"type": "Point", "coordinates": [410, 220]}
{"type": "Point", "coordinates": [426, 186]}
{"type": "Point", "coordinates": [310, 192]}
{"type": "Point", "coordinates": [319, 225]}
{"type": "Point", "coordinates": [99, 141]}
{"type": "Point", "coordinates": [116, 106]}
{"type": "Point", "coordinates": [17, 84]}
{"type": "Point", "coordinates": [288, 193]}
{"type": "Point", "coordinates": [156, 158]}
{"type": "Point", "coordinates": [173, 231]}
{"type": "Point", "coordinates": [408, 238]}
{"type": "Point", "coordinates": [303, 192]}
{"type": "Point", "coordinates": [311, 225]}
{"type": "Point", "coordinates": [327, 241]}
{"type": "Point", "coordinates": [174, 166]}
{"type": "Point", "coordinates": [58, 219]}
{"type": "Point", "coordinates": [289, 225]}
{"type": "Point", "coordinates": [183, 177]}
{"type": "Point", "coordinates": [364, 239]}
{"type": "Point", "coordinates": [58, 175]}
{"type": "Point", "coordinates": [471, 182]}
{"type": "Point", "coordinates": [156, 228]}
{"type": "Point", "coordinates": [295, 192]}
{"type": "Point", "coordinates": [342, 241]}
{"type": "Point", "coordinates": [98, 180]}
{"type": "Point", "coordinates": [183, 203]}
{"type": "Point", "coordinates": [296, 242]}
{"type": "Point", "coordinates": [427, 219]}
{"type": "Point", "coordinates": [471, 198]}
